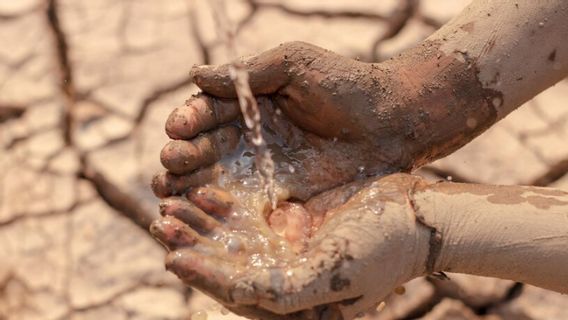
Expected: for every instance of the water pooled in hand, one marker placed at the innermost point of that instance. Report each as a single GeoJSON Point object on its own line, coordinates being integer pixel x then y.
{"type": "Point", "coordinates": [199, 315]}
{"type": "Point", "coordinates": [247, 234]}
{"type": "Point", "coordinates": [248, 225]}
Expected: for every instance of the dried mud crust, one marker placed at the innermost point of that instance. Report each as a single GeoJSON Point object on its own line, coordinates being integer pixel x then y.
{"type": "Point", "coordinates": [66, 250]}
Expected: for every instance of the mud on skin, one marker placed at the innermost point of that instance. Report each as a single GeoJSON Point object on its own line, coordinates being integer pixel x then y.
{"type": "Point", "coordinates": [293, 261]}
{"type": "Point", "coordinates": [328, 120]}
{"type": "Point", "coordinates": [257, 264]}
{"type": "Point", "coordinates": [340, 119]}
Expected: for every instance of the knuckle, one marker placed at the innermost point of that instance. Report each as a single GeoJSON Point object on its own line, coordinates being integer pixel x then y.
{"type": "Point", "coordinates": [298, 45]}
{"type": "Point", "coordinates": [298, 48]}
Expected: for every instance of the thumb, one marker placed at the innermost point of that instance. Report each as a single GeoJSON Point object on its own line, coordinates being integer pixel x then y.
{"type": "Point", "coordinates": [267, 74]}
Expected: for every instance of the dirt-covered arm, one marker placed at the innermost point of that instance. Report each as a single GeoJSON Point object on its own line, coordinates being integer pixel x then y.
{"type": "Point", "coordinates": [474, 71]}
{"type": "Point", "coordinates": [376, 235]}
{"type": "Point", "coordinates": [511, 232]}
{"type": "Point", "coordinates": [519, 48]}
{"type": "Point", "coordinates": [387, 117]}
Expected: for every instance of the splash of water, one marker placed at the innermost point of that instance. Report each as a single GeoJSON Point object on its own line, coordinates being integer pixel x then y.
{"type": "Point", "coordinates": [247, 101]}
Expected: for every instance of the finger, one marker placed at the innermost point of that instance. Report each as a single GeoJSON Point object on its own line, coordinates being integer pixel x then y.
{"type": "Point", "coordinates": [200, 114]}
{"type": "Point", "coordinates": [166, 184]}
{"type": "Point", "coordinates": [212, 200]}
{"type": "Point", "coordinates": [173, 233]}
{"type": "Point", "coordinates": [182, 157]}
{"type": "Point", "coordinates": [204, 272]}
{"type": "Point", "coordinates": [267, 74]}
{"type": "Point", "coordinates": [187, 212]}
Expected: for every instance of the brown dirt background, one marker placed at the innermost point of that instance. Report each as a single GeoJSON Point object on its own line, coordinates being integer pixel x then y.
{"type": "Point", "coordinates": [85, 88]}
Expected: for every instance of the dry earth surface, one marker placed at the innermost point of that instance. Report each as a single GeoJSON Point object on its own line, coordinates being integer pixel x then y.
{"type": "Point", "coordinates": [85, 88]}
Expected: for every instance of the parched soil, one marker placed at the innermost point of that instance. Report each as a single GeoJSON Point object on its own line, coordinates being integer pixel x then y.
{"type": "Point", "coordinates": [85, 89]}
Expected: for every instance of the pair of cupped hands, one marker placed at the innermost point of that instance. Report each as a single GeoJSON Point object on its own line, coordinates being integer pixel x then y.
{"type": "Point", "coordinates": [321, 253]}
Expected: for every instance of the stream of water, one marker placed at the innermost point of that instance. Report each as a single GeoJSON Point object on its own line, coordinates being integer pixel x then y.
{"type": "Point", "coordinates": [247, 101]}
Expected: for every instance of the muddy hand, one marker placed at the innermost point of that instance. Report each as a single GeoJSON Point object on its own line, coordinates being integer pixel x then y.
{"type": "Point", "coordinates": [327, 104]}
{"type": "Point", "coordinates": [337, 256]}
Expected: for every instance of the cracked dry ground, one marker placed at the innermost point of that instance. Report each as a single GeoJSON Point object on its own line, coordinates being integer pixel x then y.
{"type": "Point", "coordinates": [85, 87]}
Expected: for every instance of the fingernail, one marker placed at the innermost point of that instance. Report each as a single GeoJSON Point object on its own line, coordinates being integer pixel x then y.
{"type": "Point", "coordinates": [196, 69]}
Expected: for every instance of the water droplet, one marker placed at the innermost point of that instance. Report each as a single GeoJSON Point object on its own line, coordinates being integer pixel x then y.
{"type": "Point", "coordinates": [361, 169]}
{"type": "Point", "coordinates": [449, 178]}
{"type": "Point", "coordinates": [471, 123]}
{"type": "Point", "coordinates": [199, 315]}
{"type": "Point", "coordinates": [497, 102]}
{"type": "Point", "coordinates": [291, 168]}
{"type": "Point", "coordinates": [234, 244]}
{"type": "Point", "coordinates": [257, 140]}
{"type": "Point", "coordinates": [541, 24]}
{"type": "Point", "coordinates": [377, 210]}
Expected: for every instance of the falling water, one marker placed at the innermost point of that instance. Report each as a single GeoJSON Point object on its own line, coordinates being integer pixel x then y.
{"type": "Point", "coordinates": [247, 101]}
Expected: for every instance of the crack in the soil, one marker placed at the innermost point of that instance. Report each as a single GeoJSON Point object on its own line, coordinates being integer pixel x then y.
{"type": "Point", "coordinates": [112, 298]}
{"type": "Point", "coordinates": [554, 173]}
{"type": "Point", "coordinates": [317, 13]}
{"type": "Point", "coordinates": [9, 112]}
{"type": "Point", "coordinates": [66, 74]}
{"type": "Point", "coordinates": [395, 23]}
{"type": "Point", "coordinates": [110, 193]}
{"type": "Point", "coordinates": [155, 96]}
{"type": "Point", "coordinates": [196, 35]}
{"type": "Point", "coordinates": [117, 199]}
{"type": "Point", "coordinates": [20, 216]}
{"type": "Point", "coordinates": [513, 293]}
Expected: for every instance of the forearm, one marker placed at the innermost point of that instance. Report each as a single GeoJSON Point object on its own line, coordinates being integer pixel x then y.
{"type": "Point", "coordinates": [511, 232]}
{"type": "Point", "coordinates": [519, 47]}
{"type": "Point", "coordinates": [475, 70]}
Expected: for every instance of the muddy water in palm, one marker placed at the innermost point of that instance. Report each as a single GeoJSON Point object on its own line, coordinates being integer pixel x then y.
{"type": "Point", "coordinates": [248, 232]}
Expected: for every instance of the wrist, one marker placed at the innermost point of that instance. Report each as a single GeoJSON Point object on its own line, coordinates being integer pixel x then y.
{"type": "Point", "coordinates": [516, 233]}
{"type": "Point", "coordinates": [435, 90]}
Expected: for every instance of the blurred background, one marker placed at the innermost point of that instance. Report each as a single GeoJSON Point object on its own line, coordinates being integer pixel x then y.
{"type": "Point", "coordinates": [85, 88]}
